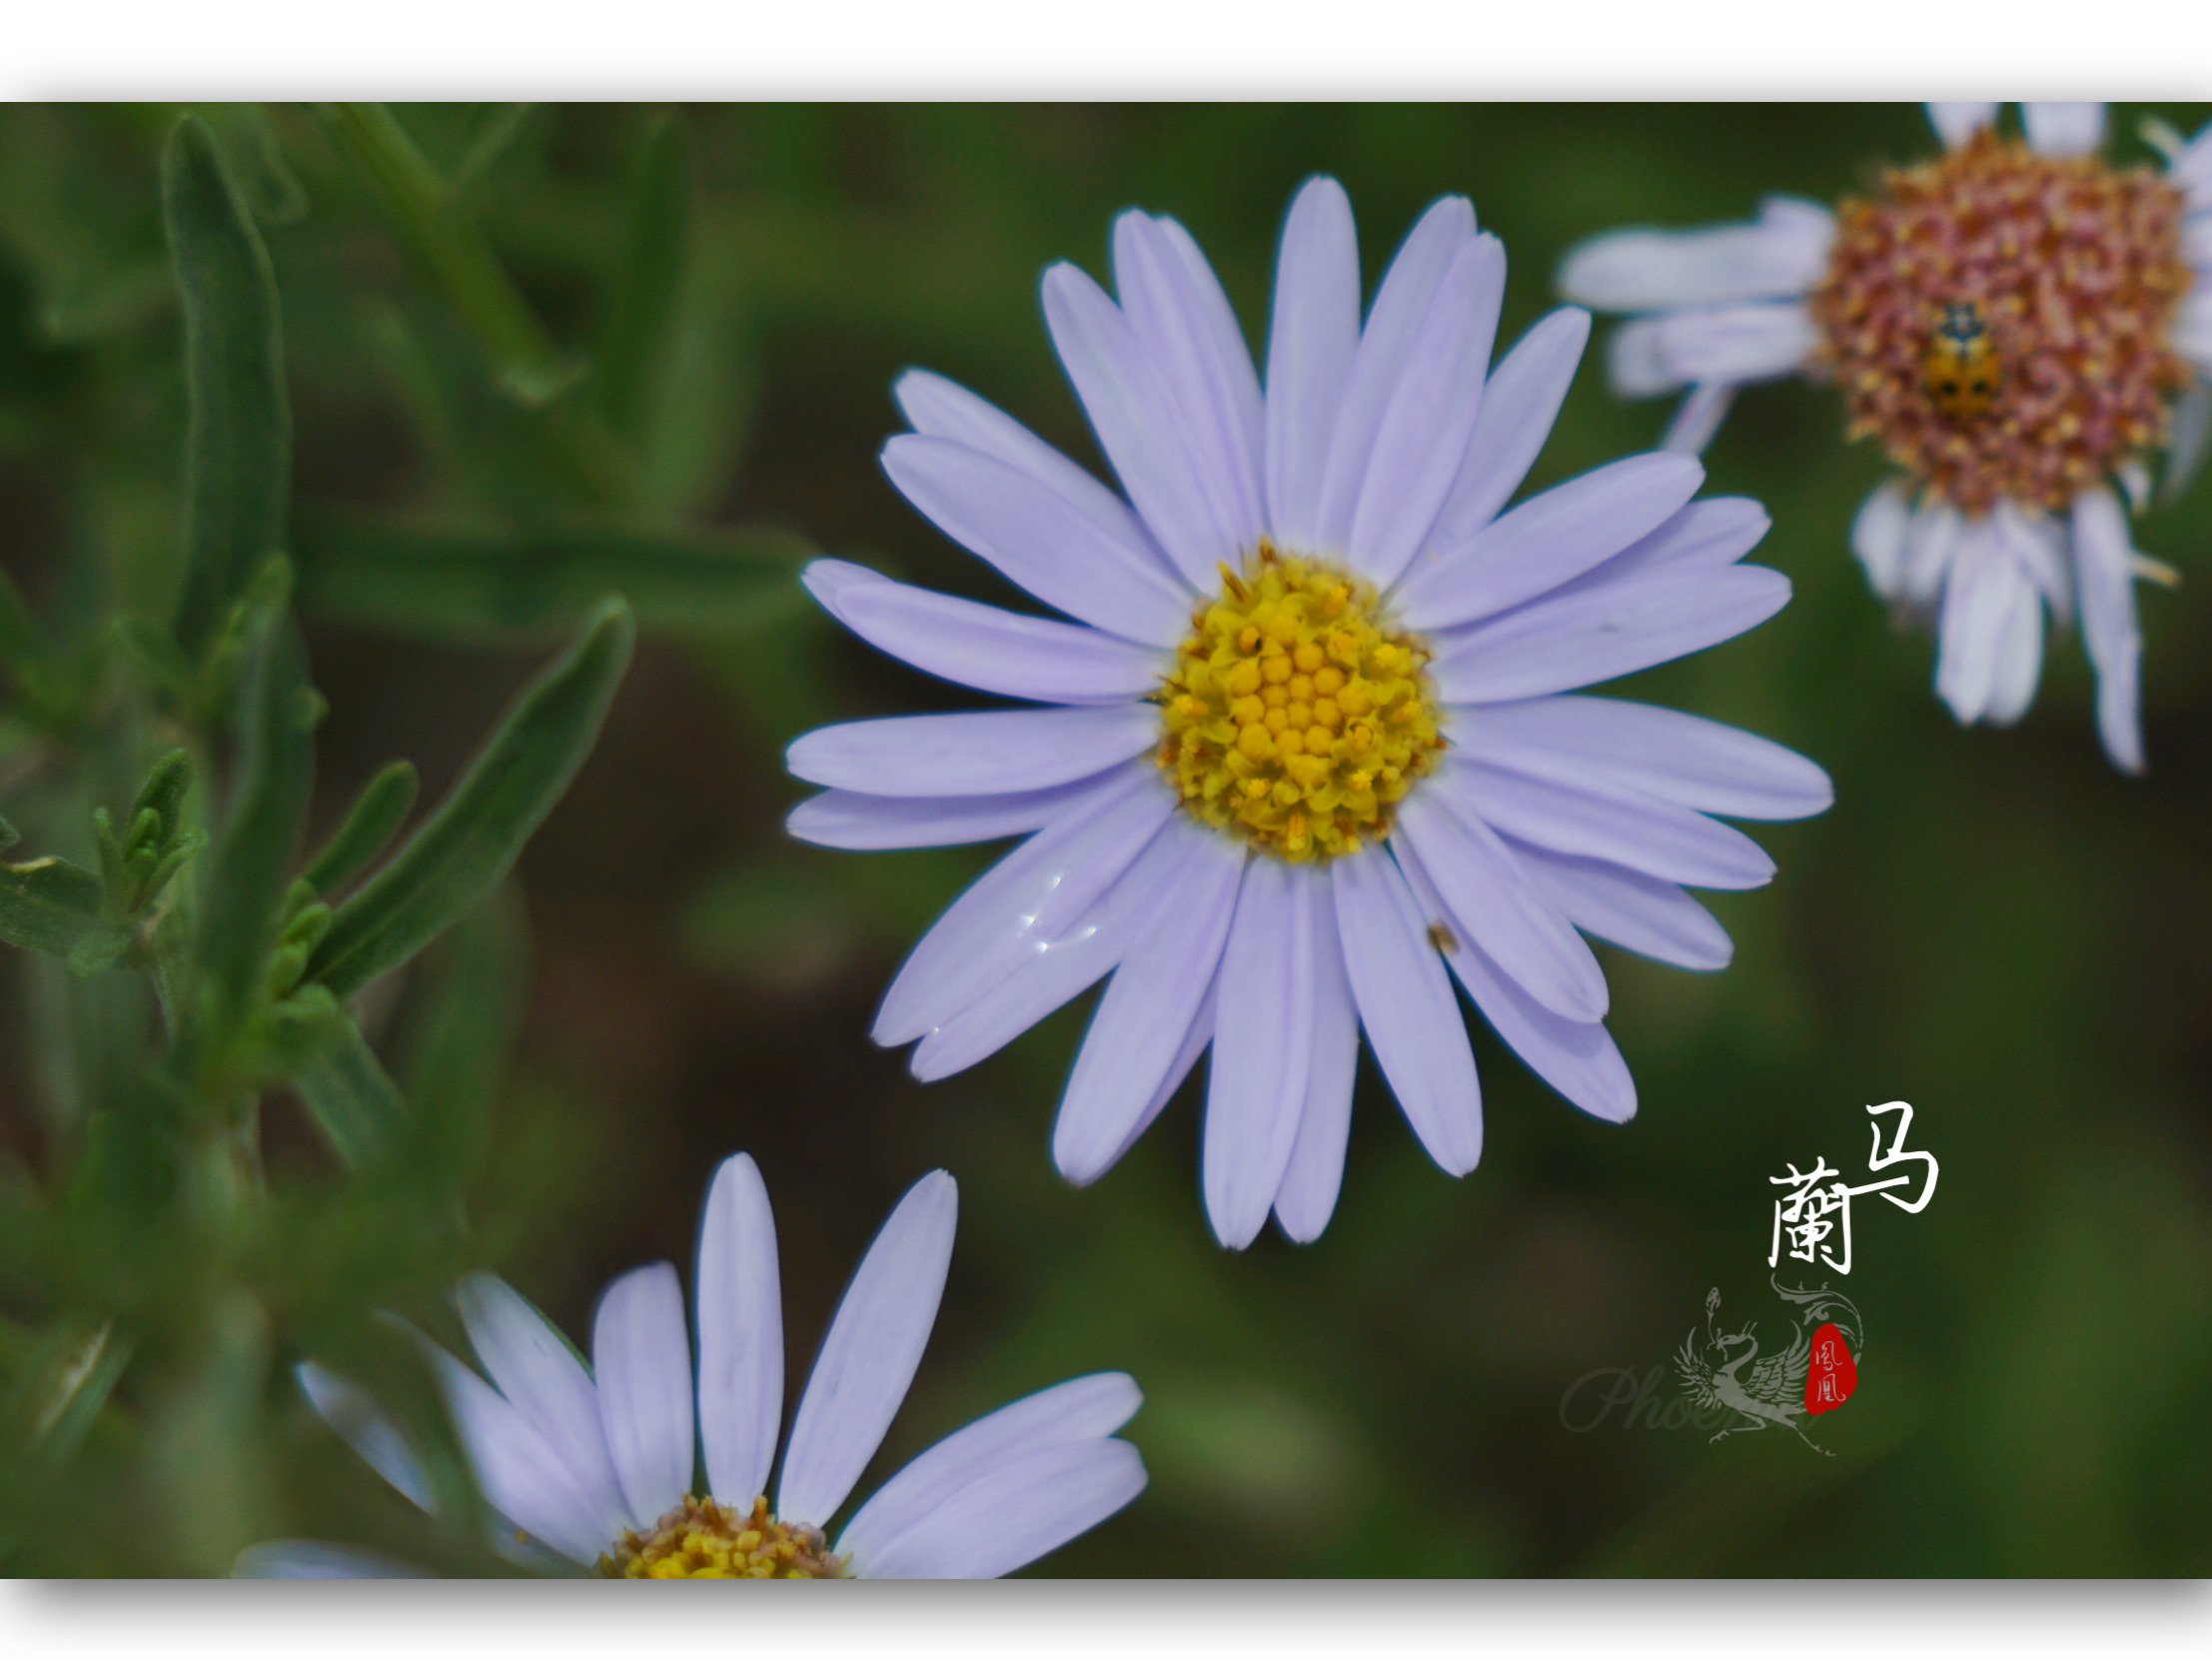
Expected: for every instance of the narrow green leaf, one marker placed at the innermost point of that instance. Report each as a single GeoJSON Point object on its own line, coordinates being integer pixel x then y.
{"type": "Point", "coordinates": [353, 1099]}
{"type": "Point", "coordinates": [491, 131]}
{"type": "Point", "coordinates": [50, 905]}
{"type": "Point", "coordinates": [461, 854]}
{"type": "Point", "coordinates": [650, 273]}
{"type": "Point", "coordinates": [461, 1033]}
{"type": "Point", "coordinates": [375, 817]}
{"type": "Point", "coordinates": [484, 589]}
{"type": "Point", "coordinates": [163, 794]}
{"type": "Point", "coordinates": [77, 1371]}
{"type": "Point", "coordinates": [237, 447]}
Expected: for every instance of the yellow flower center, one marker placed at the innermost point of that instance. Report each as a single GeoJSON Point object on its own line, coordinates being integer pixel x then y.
{"type": "Point", "coordinates": [1295, 716]}
{"type": "Point", "coordinates": [705, 1539]}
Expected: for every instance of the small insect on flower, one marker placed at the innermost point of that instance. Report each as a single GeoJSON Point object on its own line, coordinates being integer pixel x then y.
{"type": "Point", "coordinates": [1961, 370]}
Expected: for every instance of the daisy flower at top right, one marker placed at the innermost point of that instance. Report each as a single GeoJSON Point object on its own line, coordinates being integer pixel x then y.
{"type": "Point", "coordinates": [2021, 326]}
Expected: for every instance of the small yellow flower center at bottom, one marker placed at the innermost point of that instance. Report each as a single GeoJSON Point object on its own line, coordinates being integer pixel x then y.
{"type": "Point", "coordinates": [1294, 716]}
{"type": "Point", "coordinates": [705, 1539]}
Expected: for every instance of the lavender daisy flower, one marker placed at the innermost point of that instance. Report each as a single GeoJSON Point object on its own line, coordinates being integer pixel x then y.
{"type": "Point", "coordinates": [596, 1465]}
{"type": "Point", "coordinates": [1310, 754]}
{"type": "Point", "coordinates": [2014, 323]}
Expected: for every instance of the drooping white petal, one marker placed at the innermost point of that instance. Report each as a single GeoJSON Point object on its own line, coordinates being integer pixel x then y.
{"type": "Point", "coordinates": [1308, 1196]}
{"type": "Point", "coordinates": [870, 1354]}
{"type": "Point", "coordinates": [1493, 902]}
{"type": "Point", "coordinates": [1547, 541]}
{"type": "Point", "coordinates": [1692, 761]}
{"type": "Point", "coordinates": [1931, 539]}
{"type": "Point", "coordinates": [1141, 1021]}
{"type": "Point", "coordinates": [1261, 1055]}
{"type": "Point", "coordinates": [1577, 1057]}
{"type": "Point", "coordinates": [1879, 537]}
{"type": "Point", "coordinates": [1431, 414]}
{"type": "Point", "coordinates": [849, 819]}
{"type": "Point", "coordinates": [2037, 545]}
{"type": "Point", "coordinates": [522, 1476]}
{"type": "Point", "coordinates": [1316, 330]}
{"type": "Point", "coordinates": [1407, 1008]}
{"type": "Point", "coordinates": [1385, 342]}
{"type": "Point", "coordinates": [364, 1426]}
{"type": "Point", "coordinates": [2063, 129]}
{"type": "Point", "coordinates": [306, 1558]}
{"type": "Point", "coordinates": [641, 1363]}
{"type": "Point", "coordinates": [1636, 360]}
{"type": "Point", "coordinates": [982, 646]}
{"type": "Point", "coordinates": [1520, 399]}
{"type": "Point", "coordinates": [1130, 411]}
{"type": "Point", "coordinates": [1562, 642]}
{"type": "Point", "coordinates": [2192, 331]}
{"type": "Point", "coordinates": [1957, 122]}
{"type": "Point", "coordinates": [2191, 432]}
{"type": "Point", "coordinates": [1725, 345]}
{"type": "Point", "coordinates": [1028, 898]}
{"type": "Point", "coordinates": [1778, 257]}
{"type": "Point", "coordinates": [1034, 538]}
{"type": "Point", "coordinates": [2102, 553]}
{"type": "Point", "coordinates": [1639, 912]}
{"type": "Point", "coordinates": [1016, 1513]}
{"type": "Point", "coordinates": [1985, 597]}
{"type": "Point", "coordinates": [1085, 1408]}
{"type": "Point", "coordinates": [542, 1379]}
{"type": "Point", "coordinates": [1697, 419]}
{"type": "Point", "coordinates": [740, 1322]}
{"type": "Point", "coordinates": [989, 751]}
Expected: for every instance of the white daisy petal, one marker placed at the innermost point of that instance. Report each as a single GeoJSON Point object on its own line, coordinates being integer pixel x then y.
{"type": "Point", "coordinates": [992, 752]}
{"type": "Point", "coordinates": [2192, 170]}
{"type": "Point", "coordinates": [1016, 1513]}
{"type": "Point", "coordinates": [641, 1363]}
{"type": "Point", "coordinates": [1981, 595]}
{"type": "Point", "coordinates": [1129, 408]}
{"type": "Point", "coordinates": [1308, 1196]}
{"type": "Point", "coordinates": [1520, 399]}
{"type": "Point", "coordinates": [542, 1379]}
{"type": "Point", "coordinates": [1705, 535]}
{"type": "Point", "coordinates": [1407, 1008]}
{"type": "Point", "coordinates": [980, 645]}
{"type": "Point", "coordinates": [1599, 818]}
{"type": "Point", "coordinates": [1694, 763]}
{"type": "Point", "coordinates": [740, 1321]}
{"type": "Point", "coordinates": [521, 1475]}
{"type": "Point", "coordinates": [1639, 912]}
{"type": "Point", "coordinates": [1931, 539]}
{"type": "Point", "coordinates": [2192, 331]}
{"type": "Point", "coordinates": [2063, 129]}
{"type": "Point", "coordinates": [305, 1558]}
{"type": "Point", "coordinates": [1034, 538]}
{"type": "Point", "coordinates": [1258, 1085]}
{"type": "Point", "coordinates": [1084, 1409]}
{"type": "Point", "coordinates": [1198, 1035]}
{"type": "Point", "coordinates": [2103, 554]}
{"type": "Point", "coordinates": [1494, 903]}
{"type": "Point", "coordinates": [1562, 642]}
{"type": "Point", "coordinates": [1732, 344]}
{"type": "Point", "coordinates": [1029, 897]}
{"type": "Point", "coordinates": [1636, 360]}
{"type": "Point", "coordinates": [1879, 537]}
{"type": "Point", "coordinates": [1957, 122]}
{"type": "Point", "coordinates": [1778, 257]}
{"type": "Point", "coordinates": [2196, 242]}
{"type": "Point", "coordinates": [1430, 416]}
{"type": "Point", "coordinates": [2192, 436]}
{"type": "Point", "coordinates": [1138, 1030]}
{"type": "Point", "coordinates": [1400, 305]}
{"type": "Point", "coordinates": [1577, 1057]}
{"type": "Point", "coordinates": [1315, 332]}
{"type": "Point", "coordinates": [1696, 422]}
{"type": "Point", "coordinates": [847, 819]}
{"type": "Point", "coordinates": [2019, 658]}
{"type": "Point", "coordinates": [870, 1354]}
{"type": "Point", "coordinates": [363, 1425]}
{"type": "Point", "coordinates": [1177, 309]}
{"type": "Point", "coordinates": [1548, 539]}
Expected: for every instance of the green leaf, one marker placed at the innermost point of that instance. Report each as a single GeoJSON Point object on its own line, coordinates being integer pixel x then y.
{"type": "Point", "coordinates": [62, 1390]}
{"type": "Point", "coordinates": [650, 273]}
{"type": "Point", "coordinates": [461, 854]}
{"type": "Point", "coordinates": [375, 817]}
{"type": "Point", "coordinates": [237, 447]}
{"type": "Point", "coordinates": [483, 589]}
{"type": "Point", "coordinates": [353, 1098]}
{"type": "Point", "coordinates": [461, 1033]}
{"type": "Point", "coordinates": [50, 905]}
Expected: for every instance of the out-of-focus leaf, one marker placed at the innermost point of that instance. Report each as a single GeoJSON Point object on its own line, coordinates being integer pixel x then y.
{"type": "Point", "coordinates": [462, 1033]}
{"type": "Point", "coordinates": [22, 641]}
{"type": "Point", "coordinates": [257, 161]}
{"type": "Point", "coordinates": [492, 588]}
{"type": "Point", "coordinates": [237, 449]}
{"type": "Point", "coordinates": [207, 1452]}
{"type": "Point", "coordinates": [651, 272]}
{"type": "Point", "coordinates": [355, 1100]}
{"type": "Point", "coordinates": [491, 130]}
{"type": "Point", "coordinates": [375, 817]}
{"type": "Point", "coordinates": [61, 1390]}
{"type": "Point", "coordinates": [50, 905]}
{"type": "Point", "coordinates": [461, 854]}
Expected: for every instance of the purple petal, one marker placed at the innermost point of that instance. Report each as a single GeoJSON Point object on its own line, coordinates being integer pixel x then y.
{"type": "Point", "coordinates": [1261, 1055]}
{"type": "Point", "coordinates": [1879, 537]}
{"type": "Point", "coordinates": [1780, 255]}
{"type": "Point", "coordinates": [1309, 1192]}
{"type": "Point", "coordinates": [1957, 120]}
{"type": "Point", "coordinates": [1309, 357]}
{"type": "Point", "coordinates": [2063, 129]}
{"type": "Point", "coordinates": [982, 646]}
{"type": "Point", "coordinates": [521, 1475]}
{"type": "Point", "coordinates": [641, 1362]}
{"type": "Point", "coordinates": [1638, 913]}
{"type": "Point", "coordinates": [1032, 536]}
{"type": "Point", "coordinates": [305, 1558]}
{"type": "Point", "coordinates": [867, 823]}
{"type": "Point", "coordinates": [741, 1314]}
{"type": "Point", "coordinates": [364, 1426]}
{"type": "Point", "coordinates": [1407, 1008]}
{"type": "Point", "coordinates": [1519, 402]}
{"type": "Point", "coordinates": [2104, 555]}
{"type": "Point", "coordinates": [1016, 1513]}
{"type": "Point", "coordinates": [992, 752]}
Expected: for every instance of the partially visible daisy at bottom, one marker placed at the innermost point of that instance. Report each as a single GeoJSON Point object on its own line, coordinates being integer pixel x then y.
{"type": "Point", "coordinates": [596, 1466]}
{"type": "Point", "coordinates": [2015, 322]}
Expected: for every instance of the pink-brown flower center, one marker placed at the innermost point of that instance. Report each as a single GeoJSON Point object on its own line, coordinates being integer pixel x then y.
{"type": "Point", "coordinates": [2000, 320]}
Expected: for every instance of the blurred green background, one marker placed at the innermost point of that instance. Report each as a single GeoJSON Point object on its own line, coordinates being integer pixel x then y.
{"type": "Point", "coordinates": [1995, 926]}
